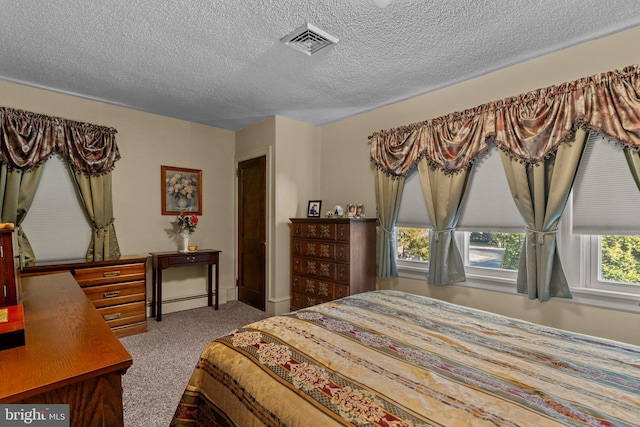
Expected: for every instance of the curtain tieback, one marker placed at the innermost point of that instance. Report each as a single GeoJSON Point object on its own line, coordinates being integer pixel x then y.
{"type": "Point", "coordinates": [379, 223]}
{"type": "Point", "coordinates": [439, 233]}
{"type": "Point", "coordinates": [540, 234]}
{"type": "Point", "coordinates": [100, 232]}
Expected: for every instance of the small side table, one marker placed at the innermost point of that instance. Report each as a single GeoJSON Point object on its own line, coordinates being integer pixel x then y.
{"type": "Point", "coordinates": [162, 260]}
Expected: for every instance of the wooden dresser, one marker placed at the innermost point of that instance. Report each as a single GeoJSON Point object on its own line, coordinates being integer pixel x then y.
{"type": "Point", "coordinates": [331, 258]}
{"type": "Point", "coordinates": [117, 288]}
{"type": "Point", "coordinates": [70, 355]}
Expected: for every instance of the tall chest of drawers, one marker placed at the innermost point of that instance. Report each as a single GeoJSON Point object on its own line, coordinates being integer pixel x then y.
{"type": "Point", "coordinates": [331, 258]}
{"type": "Point", "coordinates": [117, 288]}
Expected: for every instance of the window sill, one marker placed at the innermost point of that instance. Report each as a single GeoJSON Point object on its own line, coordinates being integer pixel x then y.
{"type": "Point", "coordinates": [585, 296]}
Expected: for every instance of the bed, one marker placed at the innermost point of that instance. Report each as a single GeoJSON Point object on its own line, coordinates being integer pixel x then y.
{"type": "Point", "coordinates": [387, 358]}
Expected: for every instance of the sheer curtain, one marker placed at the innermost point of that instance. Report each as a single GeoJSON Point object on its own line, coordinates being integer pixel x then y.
{"type": "Point", "coordinates": [27, 140]}
{"type": "Point", "coordinates": [535, 132]}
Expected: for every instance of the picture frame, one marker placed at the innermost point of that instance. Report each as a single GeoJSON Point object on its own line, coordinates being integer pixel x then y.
{"type": "Point", "coordinates": [181, 190]}
{"type": "Point", "coordinates": [359, 211]}
{"type": "Point", "coordinates": [350, 211]}
{"type": "Point", "coordinates": [314, 208]}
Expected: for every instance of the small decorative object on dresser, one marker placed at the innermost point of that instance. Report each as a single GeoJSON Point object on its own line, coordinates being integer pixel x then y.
{"type": "Point", "coordinates": [331, 258]}
{"type": "Point", "coordinates": [313, 210]}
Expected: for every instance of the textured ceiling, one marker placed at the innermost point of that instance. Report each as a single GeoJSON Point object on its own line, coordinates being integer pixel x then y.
{"type": "Point", "coordinates": [221, 62]}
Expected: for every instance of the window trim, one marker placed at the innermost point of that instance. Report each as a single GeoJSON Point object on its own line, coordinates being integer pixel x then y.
{"type": "Point", "coordinates": [580, 272]}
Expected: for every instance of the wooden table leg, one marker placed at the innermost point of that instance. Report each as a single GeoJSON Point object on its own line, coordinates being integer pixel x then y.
{"type": "Point", "coordinates": [209, 286]}
{"type": "Point", "coordinates": [217, 287]}
{"type": "Point", "coordinates": [153, 292]}
{"type": "Point", "coordinates": [159, 298]}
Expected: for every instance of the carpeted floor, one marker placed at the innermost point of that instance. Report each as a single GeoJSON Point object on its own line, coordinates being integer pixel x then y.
{"type": "Point", "coordinates": [165, 355]}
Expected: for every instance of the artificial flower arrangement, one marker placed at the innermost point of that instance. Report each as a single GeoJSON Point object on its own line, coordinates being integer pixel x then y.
{"type": "Point", "coordinates": [187, 223]}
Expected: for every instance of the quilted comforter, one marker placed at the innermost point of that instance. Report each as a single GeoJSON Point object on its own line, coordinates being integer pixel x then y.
{"type": "Point", "coordinates": [387, 358]}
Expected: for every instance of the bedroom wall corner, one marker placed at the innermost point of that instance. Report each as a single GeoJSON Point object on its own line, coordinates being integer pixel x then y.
{"type": "Point", "coordinates": [147, 141]}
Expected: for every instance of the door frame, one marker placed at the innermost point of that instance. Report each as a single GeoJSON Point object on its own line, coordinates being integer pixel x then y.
{"type": "Point", "coordinates": [268, 223]}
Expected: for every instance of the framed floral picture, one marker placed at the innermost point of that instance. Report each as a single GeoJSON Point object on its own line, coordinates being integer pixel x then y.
{"type": "Point", "coordinates": [181, 190]}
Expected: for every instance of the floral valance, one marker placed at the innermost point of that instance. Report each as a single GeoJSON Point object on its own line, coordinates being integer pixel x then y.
{"type": "Point", "coordinates": [29, 139]}
{"type": "Point", "coordinates": [528, 127]}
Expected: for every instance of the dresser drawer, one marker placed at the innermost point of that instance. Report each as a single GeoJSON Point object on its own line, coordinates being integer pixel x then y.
{"type": "Point", "coordinates": [322, 230]}
{"type": "Point", "coordinates": [308, 285]}
{"type": "Point", "coordinates": [114, 294]}
{"type": "Point", "coordinates": [93, 276]}
{"type": "Point", "coordinates": [331, 251]}
{"type": "Point", "coordinates": [123, 314]}
{"type": "Point", "coordinates": [321, 269]}
{"type": "Point", "coordinates": [303, 300]}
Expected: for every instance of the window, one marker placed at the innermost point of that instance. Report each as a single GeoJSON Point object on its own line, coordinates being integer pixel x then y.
{"type": "Point", "coordinates": [494, 250]}
{"type": "Point", "coordinates": [598, 237]}
{"type": "Point", "coordinates": [56, 225]}
{"type": "Point", "coordinates": [413, 244]}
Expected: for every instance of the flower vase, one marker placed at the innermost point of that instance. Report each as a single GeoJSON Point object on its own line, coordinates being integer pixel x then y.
{"type": "Point", "coordinates": [184, 241]}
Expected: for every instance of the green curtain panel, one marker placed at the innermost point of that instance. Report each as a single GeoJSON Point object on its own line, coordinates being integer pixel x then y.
{"type": "Point", "coordinates": [541, 192]}
{"type": "Point", "coordinates": [633, 159]}
{"type": "Point", "coordinates": [97, 202]}
{"type": "Point", "coordinates": [17, 190]}
{"type": "Point", "coordinates": [388, 195]}
{"type": "Point", "coordinates": [443, 194]}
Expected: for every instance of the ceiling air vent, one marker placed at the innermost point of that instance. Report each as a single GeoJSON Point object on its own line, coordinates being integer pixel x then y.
{"type": "Point", "coordinates": [309, 39]}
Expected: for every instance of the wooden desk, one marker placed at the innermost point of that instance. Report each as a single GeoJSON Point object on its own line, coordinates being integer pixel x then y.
{"type": "Point", "coordinates": [70, 355]}
{"type": "Point", "coordinates": [162, 260]}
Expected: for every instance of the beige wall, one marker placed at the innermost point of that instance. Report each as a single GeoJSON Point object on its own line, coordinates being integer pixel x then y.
{"type": "Point", "coordinates": [293, 152]}
{"type": "Point", "coordinates": [347, 174]}
{"type": "Point", "coordinates": [146, 142]}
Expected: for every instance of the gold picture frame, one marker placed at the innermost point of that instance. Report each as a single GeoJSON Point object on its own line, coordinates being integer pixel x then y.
{"type": "Point", "coordinates": [181, 190]}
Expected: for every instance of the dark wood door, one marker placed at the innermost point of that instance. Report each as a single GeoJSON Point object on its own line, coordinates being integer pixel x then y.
{"type": "Point", "coordinates": [252, 195]}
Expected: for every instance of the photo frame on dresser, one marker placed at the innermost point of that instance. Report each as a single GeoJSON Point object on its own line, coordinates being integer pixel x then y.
{"type": "Point", "coordinates": [313, 209]}
{"type": "Point", "coordinates": [181, 190]}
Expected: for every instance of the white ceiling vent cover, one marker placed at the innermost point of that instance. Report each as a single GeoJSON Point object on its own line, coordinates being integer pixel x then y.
{"type": "Point", "coordinates": [309, 39]}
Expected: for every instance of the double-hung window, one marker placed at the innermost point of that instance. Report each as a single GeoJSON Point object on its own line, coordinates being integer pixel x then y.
{"type": "Point", "coordinates": [56, 225]}
{"type": "Point", "coordinates": [598, 234]}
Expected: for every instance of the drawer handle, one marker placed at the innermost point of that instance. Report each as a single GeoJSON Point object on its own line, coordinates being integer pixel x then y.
{"type": "Point", "coordinates": [191, 258]}
{"type": "Point", "coordinates": [111, 274]}
{"type": "Point", "coordinates": [113, 316]}
{"type": "Point", "coordinates": [112, 294]}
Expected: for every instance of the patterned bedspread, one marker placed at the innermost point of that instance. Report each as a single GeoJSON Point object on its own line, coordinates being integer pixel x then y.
{"type": "Point", "coordinates": [387, 358]}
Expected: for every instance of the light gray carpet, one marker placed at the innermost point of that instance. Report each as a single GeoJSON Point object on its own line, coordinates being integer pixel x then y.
{"type": "Point", "coordinates": [165, 355]}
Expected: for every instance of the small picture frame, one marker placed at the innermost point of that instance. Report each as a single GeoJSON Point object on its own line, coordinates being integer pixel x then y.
{"type": "Point", "coordinates": [350, 211]}
{"type": "Point", "coordinates": [313, 210]}
{"type": "Point", "coordinates": [359, 211]}
{"type": "Point", "coordinates": [181, 190]}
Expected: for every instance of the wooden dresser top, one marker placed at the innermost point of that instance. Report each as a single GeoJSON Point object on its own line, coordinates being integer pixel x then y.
{"type": "Point", "coordinates": [66, 341]}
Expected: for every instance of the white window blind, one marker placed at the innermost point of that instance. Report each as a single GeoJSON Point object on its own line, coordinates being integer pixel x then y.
{"type": "Point", "coordinates": [606, 199]}
{"type": "Point", "coordinates": [413, 209]}
{"type": "Point", "coordinates": [56, 225]}
{"type": "Point", "coordinates": [488, 205]}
